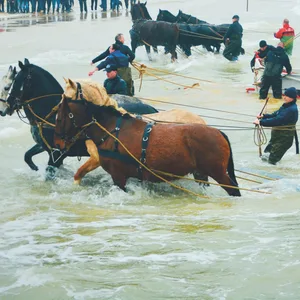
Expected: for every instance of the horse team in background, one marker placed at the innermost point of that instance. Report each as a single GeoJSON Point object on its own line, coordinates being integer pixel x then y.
{"type": "Point", "coordinates": [45, 6]}
{"type": "Point", "coordinates": [171, 31]}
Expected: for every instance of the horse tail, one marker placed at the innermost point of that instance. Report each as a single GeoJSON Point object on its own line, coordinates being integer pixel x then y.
{"type": "Point", "coordinates": [230, 167]}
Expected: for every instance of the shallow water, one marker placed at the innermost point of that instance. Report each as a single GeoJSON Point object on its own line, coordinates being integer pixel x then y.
{"type": "Point", "coordinates": [60, 241]}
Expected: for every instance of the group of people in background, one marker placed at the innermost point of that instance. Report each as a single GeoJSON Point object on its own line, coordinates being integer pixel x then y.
{"type": "Point", "coordinates": [40, 6]}
{"type": "Point", "coordinates": [48, 6]}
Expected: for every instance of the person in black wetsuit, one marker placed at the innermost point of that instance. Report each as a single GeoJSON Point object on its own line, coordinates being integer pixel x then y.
{"type": "Point", "coordinates": [233, 40]}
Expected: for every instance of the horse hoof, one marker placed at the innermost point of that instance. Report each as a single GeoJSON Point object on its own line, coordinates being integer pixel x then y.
{"type": "Point", "coordinates": [50, 173]}
{"type": "Point", "coordinates": [77, 182]}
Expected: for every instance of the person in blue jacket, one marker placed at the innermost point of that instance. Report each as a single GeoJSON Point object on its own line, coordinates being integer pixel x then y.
{"type": "Point", "coordinates": [283, 123]}
{"type": "Point", "coordinates": [116, 57]}
{"type": "Point", "coordinates": [124, 71]}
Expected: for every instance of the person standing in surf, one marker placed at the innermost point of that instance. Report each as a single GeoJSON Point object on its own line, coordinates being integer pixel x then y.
{"type": "Point", "coordinates": [233, 40]}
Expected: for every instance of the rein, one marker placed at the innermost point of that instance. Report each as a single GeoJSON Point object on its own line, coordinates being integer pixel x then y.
{"type": "Point", "coordinates": [259, 136]}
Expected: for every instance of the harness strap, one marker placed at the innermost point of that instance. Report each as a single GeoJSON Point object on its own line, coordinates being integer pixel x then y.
{"type": "Point", "coordinates": [117, 155]}
{"type": "Point", "coordinates": [145, 141]}
{"type": "Point", "coordinates": [115, 130]}
{"type": "Point", "coordinates": [296, 142]}
{"type": "Point", "coordinates": [79, 91]}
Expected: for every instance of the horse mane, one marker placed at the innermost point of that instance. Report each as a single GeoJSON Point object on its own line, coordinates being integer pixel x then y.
{"type": "Point", "coordinates": [99, 109]}
{"type": "Point", "coordinates": [96, 93]}
{"type": "Point", "coordinates": [47, 75]}
{"type": "Point", "coordinates": [168, 13]}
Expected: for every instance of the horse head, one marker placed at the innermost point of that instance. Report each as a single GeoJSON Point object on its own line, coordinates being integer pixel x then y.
{"type": "Point", "coordinates": [70, 119]}
{"type": "Point", "coordinates": [7, 81]}
{"type": "Point", "coordinates": [5, 86]}
{"type": "Point", "coordinates": [36, 86]}
{"type": "Point", "coordinates": [90, 91]}
{"type": "Point", "coordinates": [70, 89]}
{"type": "Point", "coordinates": [184, 18]}
{"type": "Point", "coordinates": [165, 15]}
{"type": "Point", "coordinates": [140, 11]}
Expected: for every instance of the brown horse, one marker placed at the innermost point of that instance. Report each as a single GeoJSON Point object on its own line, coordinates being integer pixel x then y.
{"type": "Point", "coordinates": [171, 148]}
{"type": "Point", "coordinates": [95, 93]}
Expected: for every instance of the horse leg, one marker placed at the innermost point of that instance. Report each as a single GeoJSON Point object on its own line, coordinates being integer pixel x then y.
{"type": "Point", "coordinates": [120, 181]}
{"type": "Point", "coordinates": [133, 45]}
{"type": "Point", "coordinates": [208, 48]}
{"type": "Point", "coordinates": [200, 176]}
{"type": "Point", "coordinates": [155, 48]}
{"type": "Point", "coordinates": [225, 179]}
{"type": "Point", "coordinates": [187, 50]}
{"type": "Point", "coordinates": [218, 46]}
{"type": "Point", "coordinates": [91, 164]}
{"type": "Point", "coordinates": [174, 53]}
{"type": "Point", "coordinates": [148, 52]}
{"type": "Point", "coordinates": [36, 149]}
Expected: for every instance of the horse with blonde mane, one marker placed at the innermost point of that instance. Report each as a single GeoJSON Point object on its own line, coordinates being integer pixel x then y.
{"type": "Point", "coordinates": [133, 148]}
{"type": "Point", "coordinates": [95, 93]}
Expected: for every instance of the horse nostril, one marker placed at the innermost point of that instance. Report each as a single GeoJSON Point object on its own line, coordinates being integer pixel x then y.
{"type": "Point", "coordinates": [6, 88]}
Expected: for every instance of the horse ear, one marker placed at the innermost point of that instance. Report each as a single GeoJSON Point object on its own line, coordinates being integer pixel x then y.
{"type": "Point", "coordinates": [26, 61]}
{"type": "Point", "coordinates": [15, 70]}
{"type": "Point", "coordinates": [66, 80]}
{"type": "Point", "coordinates": [10, 68]}
{"type": "Point", "coordinates": [21, 65]}
{"type": "Point", "coordinates": [72, 83]}
{"type": "Point", "coordinates": [145, 3]}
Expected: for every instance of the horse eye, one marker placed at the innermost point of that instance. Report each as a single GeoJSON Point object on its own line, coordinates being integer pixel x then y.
{"type": "Point", "coordinates": [6, 88]}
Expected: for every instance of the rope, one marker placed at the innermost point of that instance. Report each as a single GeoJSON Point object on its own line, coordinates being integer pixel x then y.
{"type": "Point", "coordinates": [200, 35]}
{"type": "Point", "coordinates": [208, 182]}
{"type": "Point", "coordinates": [171, 73]}
{"type": "Point", "coordinates": [195, 106]}
{"type": "Point", "coordinates": [291, 39]}
{"type": "Point", "coordinates": [259, 138]}
{"type": "Point", "coordinates": [40, 97]}
{"type": "Point", "coordinates": [143, 70]}
{"type": "Point", "coordinates": [259, 135]}
{"type": "Point", "coordinates": [255, 175]}
{"type": "Point", "coordinates": [39, 118]}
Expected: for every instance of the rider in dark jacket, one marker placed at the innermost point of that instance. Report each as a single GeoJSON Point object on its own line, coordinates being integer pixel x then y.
{"type": "Point", "coordinates": [262, 52]}
{"type": "Point", "coordinates": [115, 58]}
{"type": "Point", "coordinates": [114, 84]}
{"type": "Point", "coordinates": [233, 39]}
{"type": "Point", "coordinates": [274, 63]}
{"type": "Point", "coordinates": [281, 137]}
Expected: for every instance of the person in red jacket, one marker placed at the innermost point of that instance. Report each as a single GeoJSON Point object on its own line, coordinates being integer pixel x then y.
{"type": "Point", "coordinates": [286, 35]}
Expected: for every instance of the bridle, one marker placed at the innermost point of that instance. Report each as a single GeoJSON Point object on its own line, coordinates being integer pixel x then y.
{"type": "Point", "coordinates": [81, 129]}
{"type": "Point", "coordinates": [70, 141]}
{"type": "Point", "coordinates": [17, 99]}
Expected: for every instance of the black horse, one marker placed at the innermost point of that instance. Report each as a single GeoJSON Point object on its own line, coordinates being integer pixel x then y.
{"type": "Point", "coordinates": [220, 30]}
{"type": "Point", "coordinates": [152, 33]}
{"type": "Point", "coordinates": [195, 32]}
{"type": "Point", "coordinates": [38, 92]}
{"type": "Point", "coordinates": [165, 15]}
{"type": "Point", "coordinates": [184, 18]}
